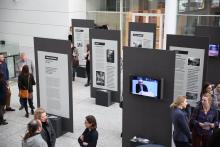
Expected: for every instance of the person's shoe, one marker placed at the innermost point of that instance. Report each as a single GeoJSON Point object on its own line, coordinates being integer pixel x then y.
{"type": "Point", "coordinates": [87, 84]}
{"type": "Point", "coordinates": [9, 109]}
{"type": "Point", "coordinates": [3, 123]}
{"type": "Point", "coordinates": [26, 115]}
{"type": "Point", "coordinates": [32, 112]}
{"type": "Point", "coordinates": [21, 107]}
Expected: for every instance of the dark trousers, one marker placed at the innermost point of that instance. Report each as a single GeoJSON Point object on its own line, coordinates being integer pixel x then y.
{"type": "Point", "coordinates": [29, 100]}
{"type": "Point", "coordinates": [74, 72]}
{"type": "Point", "coordinates": [200, 140]}
{"type": "Point", "coordinates": [88, 71]}
{"type": "Point", "coordinates": [182, 144]}
{"type": "Point", "coordinates": [23, 102]}
{"type": "Point", "coordinates": [1, 113]}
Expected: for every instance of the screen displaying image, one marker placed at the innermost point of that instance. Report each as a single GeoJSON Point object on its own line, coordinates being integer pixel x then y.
{"type": "Point", "coordinates": [213, 50]}
{"type": "Point", "coordinates": [145, 86]}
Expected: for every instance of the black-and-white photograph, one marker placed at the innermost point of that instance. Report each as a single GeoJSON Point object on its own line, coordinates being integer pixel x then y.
{"type": "Point", "coordinates": [100, 78]}
{"type": "Point", "coordinates": [194, 61]}
{"type": "Point", "coordinates": [191, 96]}
{"type": "Point", "coordinates": [110, 56]}
{"type": "Point", "coordinates": [79, 44]}
{"type": "Point", "coordinates": [137, 43]}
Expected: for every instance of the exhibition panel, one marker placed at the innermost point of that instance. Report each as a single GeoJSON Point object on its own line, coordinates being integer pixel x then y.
{"type": "Point", "coordinates": [191, 63]}
{"type": "Point", "coordinates": [105, 62]}
{"type": "Point", "coordinates": [142, 35]}
{"type": "Point", "coordinates": [213, 61]}
{"type": "Point", "coordinates": [54, 79]}
{"type": "Point", "coordinates": [81, 36]}
{"type": "Point", "coordinates": [146, 110]}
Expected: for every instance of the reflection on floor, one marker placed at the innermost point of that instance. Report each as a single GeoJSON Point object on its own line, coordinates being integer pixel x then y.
{"type": "Point", "coordinates": [109, 120]}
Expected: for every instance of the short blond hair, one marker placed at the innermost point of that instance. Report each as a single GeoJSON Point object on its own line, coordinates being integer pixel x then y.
{"type": "Point", "coordinates": [178, 101]}
{"type": "Point", "coordinates": [38, 112]}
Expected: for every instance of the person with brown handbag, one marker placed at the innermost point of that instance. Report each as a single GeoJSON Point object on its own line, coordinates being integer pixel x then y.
{"type": "Point", "coordinates": [25, 85]}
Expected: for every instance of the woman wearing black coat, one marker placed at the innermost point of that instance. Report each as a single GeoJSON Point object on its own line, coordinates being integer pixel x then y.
{"type": "Point", "coordinates": [3, 95]}
{"type": "Point", "coordinates": [26, 82]}
{"type": "Point", "coordinates": [90, 135]}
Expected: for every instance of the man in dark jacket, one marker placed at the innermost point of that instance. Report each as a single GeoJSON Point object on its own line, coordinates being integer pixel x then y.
{"type": "Point", "coordinates": [4, 70]}
{"type": "Point", "coordinates": [140, 87]}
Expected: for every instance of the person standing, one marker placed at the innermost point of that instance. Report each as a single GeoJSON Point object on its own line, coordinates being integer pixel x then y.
{"type": "Point", "coordinates": [24, 60]}
{"type": "Point", "coordinates": [90, 135]}
{"type": "Point", "coordinates": [217, 94]}
{"type": "Point", "coordinates": [4, 70]}
{"type": "Point", "coordinates": [207, 88]}
{"type": "Point", "coordinates": [26, 82]}
{"type": "Point", "coordinates": [3, 95]}
{"type": "Point", "coordinates": [203, 119]}
{"type": "Point", "coordinates": [75, 60]}
{"type": "Point", "coordinates": [87, 57]}
{"type": "Point", "coordinates": [32, 137]}
{"type": "Point", "coordinates": [47, 133]}
{"type": "Point", "coordinates": [181, 134]}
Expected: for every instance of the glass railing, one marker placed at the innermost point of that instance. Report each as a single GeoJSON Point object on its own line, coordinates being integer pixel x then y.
{"type": "Point", "coordinates": [186, 23]}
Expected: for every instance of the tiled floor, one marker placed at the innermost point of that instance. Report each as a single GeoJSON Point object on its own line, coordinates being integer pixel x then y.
{"type": "Point", "coordinates": [109, 120]}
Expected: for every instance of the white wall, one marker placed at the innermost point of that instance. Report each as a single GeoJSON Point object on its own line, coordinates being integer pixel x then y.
{"type": "Point", "coordinates": [22, 20]}
{"type": "Point", "coordinates": [95, 5]}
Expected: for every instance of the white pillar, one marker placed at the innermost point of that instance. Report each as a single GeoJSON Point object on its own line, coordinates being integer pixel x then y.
{"type": "Point", "coordinates": [170, 20]}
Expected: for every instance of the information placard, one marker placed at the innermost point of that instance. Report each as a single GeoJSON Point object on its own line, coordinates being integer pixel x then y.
{"type": "Point", "coordinates": [142, 39]}
{"type": "Point", "coordinates": [53, 82]}
{"type": "Point", "coordinates": [105, 64]}
{"type": "Point", "coordinates": [81, 39]}
{"type": "Point", "coordinates": [188, 72]}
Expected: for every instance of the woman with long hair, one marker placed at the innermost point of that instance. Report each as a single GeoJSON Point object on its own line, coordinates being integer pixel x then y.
{"type": "Point", "coordinates": [181, 134]}
{"type": "Point", "coordinates": [32, 137]}
{"type": "Point", "coordinates": [90, 135]}
{"type": "Point", "coordinates": [204, 119]}
{"type": "Point", "coordinates": [47, 132]}
{"type": "Point", "coordinates": [207, 88]}
{"type": "Point", "coordinates": [26, 82]}
{"type": "Point", "coordinates": [3, 95]}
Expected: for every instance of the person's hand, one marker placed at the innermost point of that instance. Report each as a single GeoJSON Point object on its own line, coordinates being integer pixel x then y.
{"type": "Point", "coordinates": [81, 137]}
{"type": "Point", "coordinates": [212, 125]}
{"type": "Point", "coordinates": [85, 143]}
{"type": "Point", "coordinates": [202, 125]}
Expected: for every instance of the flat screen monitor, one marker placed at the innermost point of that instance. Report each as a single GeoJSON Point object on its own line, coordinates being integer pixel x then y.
{"type": "Point", "coordinates": [213, 50]}
{"type": "Point", "coordinates": [146, 86]}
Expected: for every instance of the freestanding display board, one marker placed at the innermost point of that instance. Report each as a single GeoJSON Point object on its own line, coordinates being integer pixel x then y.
{"type": "Point", "coordinates": [190, 65]}
{"type": "Point", "coordinates": [105, 53]}
{"type": "Point", "coordinates": [144, 116]}
{"type": "Point", "coordinates": [54, 78]}
{"type": "Point", "coordinates": [81, 37]}
{"type": "Point", "coordinates": [142, 35]}
{"type": "Point", "coordinates": [213, 61]}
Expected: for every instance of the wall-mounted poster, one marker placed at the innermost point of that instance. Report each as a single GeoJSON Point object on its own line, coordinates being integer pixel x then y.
{"type": "Point", "coordinates": [215, 3]}
{"type": "Point", "coordinates": [53, 82]}
{"type": "Point", "coordinates": [81, 39]}
{"type": "Point", "coordinates": [188, 72]}
{"type": "Point", "coordinates": [142, 39]}
{"type": "Point", "coordinates": [105, 64]}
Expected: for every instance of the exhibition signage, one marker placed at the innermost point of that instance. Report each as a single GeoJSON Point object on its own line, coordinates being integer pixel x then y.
{"type": "Point", "coordinates": [81, 39]}
{"type": "Point", "coordinates": [188, 72]}
{"type": "Point", "coordinates": [105, 64]}
{"type": "Point", "coordinates": [54, 82]}
{"type": "Point", "coordinates": [142, 39]}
